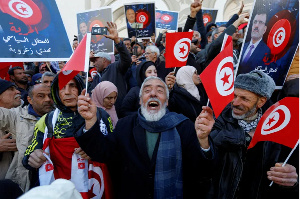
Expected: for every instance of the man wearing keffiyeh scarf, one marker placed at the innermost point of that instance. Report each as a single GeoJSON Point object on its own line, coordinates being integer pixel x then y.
{"type": "Point", "coordinates": [160, 154]}
{"type": "Point", "coordinates": [246, 174]}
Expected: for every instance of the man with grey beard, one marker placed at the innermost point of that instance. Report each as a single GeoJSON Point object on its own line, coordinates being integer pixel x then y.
{"type": "Point", "coordinates": [242, 173]}
{"type": "Point", "coordinates": [153, 153]}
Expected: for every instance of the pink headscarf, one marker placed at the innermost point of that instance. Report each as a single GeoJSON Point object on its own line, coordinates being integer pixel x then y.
{"type": "Point", "coordinates": [101, 91]}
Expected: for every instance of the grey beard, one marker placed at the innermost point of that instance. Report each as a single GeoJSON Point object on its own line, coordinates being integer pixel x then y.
{"type": "Point", "coordinates": [241, 117]}
{"type": "Point", "coordinates": [152, 117]}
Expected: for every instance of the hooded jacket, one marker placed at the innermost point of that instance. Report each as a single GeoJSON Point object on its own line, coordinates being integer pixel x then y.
{"type": "Point", "coordinates": [68, 121]}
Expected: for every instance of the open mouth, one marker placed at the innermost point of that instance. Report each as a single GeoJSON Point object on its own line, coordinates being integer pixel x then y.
{"type": "Point", "coordinates": [153, 105]}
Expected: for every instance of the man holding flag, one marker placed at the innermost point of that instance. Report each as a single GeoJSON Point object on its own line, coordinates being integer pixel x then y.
{"type": "Point", "coordinates": [246, 173]}
{"type": "Point", "coordinates": [54, 150]}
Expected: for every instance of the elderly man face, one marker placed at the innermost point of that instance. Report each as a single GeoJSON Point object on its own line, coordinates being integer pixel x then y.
{"type": "Point", "coordinates": [153, 99]}
{"type": "Point", "coordinates": [245, 103]}
{"type": "Point", "coordinates": [10, 98]}
{"type": "Point", "coordinates": [130, 15]}
{"type": "Point", "coordinates": [150, 56]}
{"type": "Point", "coordinates": [259, 27]}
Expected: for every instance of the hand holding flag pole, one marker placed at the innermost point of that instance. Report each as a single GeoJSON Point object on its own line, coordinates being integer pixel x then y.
{"type": "Point", "coordinates": [280, 124]}
{"type": "Point", "coordinates": [287, 159]}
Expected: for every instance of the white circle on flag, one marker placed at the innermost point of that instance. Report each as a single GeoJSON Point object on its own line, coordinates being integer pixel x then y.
{"type": "Point", "coordinates": [181, 49]}
{"type": "Point", "coordinates": [205, 20]}
{"type": "Point", "coordinates": [279, 37]}
{"type": "Point", "coordinates": [277, 120]}
{"type": "Point", "coordinates": [225, 77]}
{"type": "Point", "coordinates": [166, 18]}
{"type": "Point", "coordinates": [142, 18]}
{"type": "Point", "coordinates": [67, 72]}
{"type": "Point", "coordinates": [20, 8]}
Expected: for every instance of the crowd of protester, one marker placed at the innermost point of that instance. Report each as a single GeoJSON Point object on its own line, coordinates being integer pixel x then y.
{"type": "Point", "coordinates": [149, 125]}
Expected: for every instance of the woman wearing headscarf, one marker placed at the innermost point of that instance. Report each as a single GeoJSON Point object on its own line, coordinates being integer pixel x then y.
{"type": "Point", "coordinates": [188, 94]}
{"type": "Point", "coordinates": [131, 101]}
{"type": "Point", "coordinates": [105, 95]}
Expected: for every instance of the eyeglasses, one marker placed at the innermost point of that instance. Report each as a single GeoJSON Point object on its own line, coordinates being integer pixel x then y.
{"type": "Point", "coordinates": [38, 81]}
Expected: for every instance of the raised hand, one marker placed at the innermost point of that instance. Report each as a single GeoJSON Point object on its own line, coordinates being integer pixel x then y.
{"type": "Point", "coordinates": [195, 7]}
{"type": "Point", "coordinates": [87, 109]}
{"type": "Point", "coordinates": [113, 32]}
{"type": "Point", "coordinates": [170, 80]}
{"type": "Point", "coordinates": [241, 9]}
{"type": "Point", "coordinates": [203, 125]}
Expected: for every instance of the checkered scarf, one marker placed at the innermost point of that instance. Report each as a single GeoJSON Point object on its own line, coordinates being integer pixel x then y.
{"type": "Point", "coordinates": [168, 169]}
{"type": "Point", "coordinates": [248, 126]}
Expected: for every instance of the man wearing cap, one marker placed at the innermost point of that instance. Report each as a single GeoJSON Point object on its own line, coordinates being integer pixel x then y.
{"type": "Point", "coordinates": [10, 98]}
{"type": "Point", "coordinates": [19, 122]}
{"type": "Point", "coordinates": [242, 173]}
{"type": "Point", "coordinates": [113, 72]}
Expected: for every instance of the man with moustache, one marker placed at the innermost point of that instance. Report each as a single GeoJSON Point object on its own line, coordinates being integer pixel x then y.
{"type": "Point", "coordinates": [18, 76]}
{"type": "Point", "coordinates": [256, 50]}
{"type": "Point", "coordinates": [159, 154]}
{"type": "Point", "coordinates": [10, 98]}
{"type": "Point", "coordinates": [242, 173]}
{"type": "Point", "coordinates": [53, 136]}
{"type": "Point", "coordinates": [20, 123]}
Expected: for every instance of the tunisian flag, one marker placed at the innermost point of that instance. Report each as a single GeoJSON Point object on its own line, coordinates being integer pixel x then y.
{"type": "Point", "coordinates": [280, 124]}
{"type": "Point", "coordinates": [178, 46]}
{"type": "Point", "coordinates": [218, 78]}
{"type": "Point", "coordinates": [79, 61]}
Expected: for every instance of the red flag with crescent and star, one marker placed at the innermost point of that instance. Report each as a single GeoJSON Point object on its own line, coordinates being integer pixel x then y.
{"type": "Point", "coordinates": [24, 10]}
{"type": "Point", "coordinates": [280, 124]}
{"type": "Point", "coordinates": [79, 61]}
{"type": "Point", "coordinates": [218, 78]}
{"type": "Point", "coordinates": [178, 46]}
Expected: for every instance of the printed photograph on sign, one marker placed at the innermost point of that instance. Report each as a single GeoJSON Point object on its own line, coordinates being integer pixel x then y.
{"type": "Point", "coordinates": [272, 39]}
{"type": "Point", "coordinates": [95, 18]}
{"type": "Point", "coordinates": [166, 20]}
{"type": "Point", "coordinates": [31, 30]}
{"type": "Point", "coordinates": [140, 19]}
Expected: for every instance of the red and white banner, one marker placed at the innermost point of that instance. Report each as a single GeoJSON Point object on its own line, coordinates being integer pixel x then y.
{"type": "Point", "coordinates": [178, 46]}
{"type": "Point", "coordinates": [280, 124]}
{"type": "Point", "coordinates": [218, 78]}
{"type": "Point", "coordinates": [79, 61]}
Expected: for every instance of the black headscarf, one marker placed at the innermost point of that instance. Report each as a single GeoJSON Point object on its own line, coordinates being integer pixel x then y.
{"type": "Point", "coordinates": [140, 71]}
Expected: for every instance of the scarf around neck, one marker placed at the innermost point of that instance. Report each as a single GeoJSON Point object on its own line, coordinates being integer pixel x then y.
{"type": "Point", "coordinates": [168, 169]}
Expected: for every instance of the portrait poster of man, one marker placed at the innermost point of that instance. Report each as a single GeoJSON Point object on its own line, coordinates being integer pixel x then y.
{"type": "Point", "coordinates": [166, 20]}
{"type": "Point", "coordinates": [95, 18]}
{"type": "Point", "coordinates": [31, 31]}
{"type": "Point", "coordinates": [271, 39]}
{"type": "Point", "coordinates": [140, 19]}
